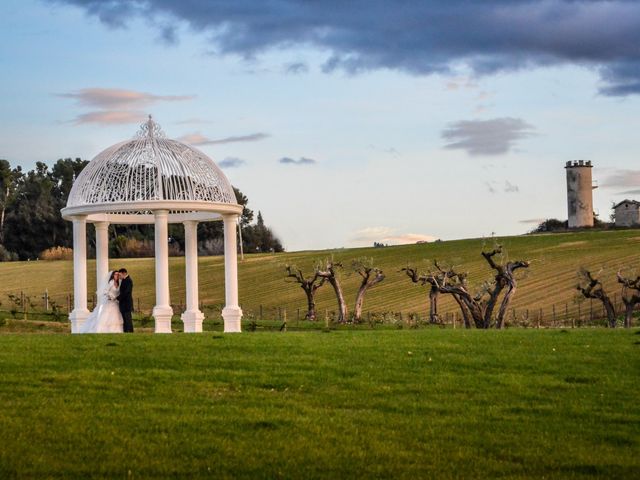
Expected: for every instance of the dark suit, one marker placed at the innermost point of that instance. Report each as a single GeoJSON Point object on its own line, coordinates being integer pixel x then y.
{"type": "Point", "coordinates": [125, 302]}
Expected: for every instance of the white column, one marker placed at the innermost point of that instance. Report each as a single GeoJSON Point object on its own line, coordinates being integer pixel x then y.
{"type": "Point", "coordinates": [192, 317]}
{"type": "Point", "coordinates": [162, 312]}
{"type": "Point", "coordinates": [80, 311]}
{"type": "Point", "coordinates": [231, 313]}
{"type": "Point", "coordinates": [102, 256]}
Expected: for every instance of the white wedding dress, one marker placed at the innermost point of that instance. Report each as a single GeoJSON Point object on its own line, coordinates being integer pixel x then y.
{"type": "Point", "coordinates": [106, 317]}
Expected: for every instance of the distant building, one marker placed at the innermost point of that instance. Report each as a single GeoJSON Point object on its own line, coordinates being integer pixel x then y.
{"type": "Point", "coordinates": [627, 213]}
{"type": "Point", "coordinates": [580, 193]}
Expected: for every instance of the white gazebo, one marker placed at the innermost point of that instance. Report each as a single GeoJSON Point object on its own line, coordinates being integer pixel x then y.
{"type": "Point", "coordinates": [152, 179]}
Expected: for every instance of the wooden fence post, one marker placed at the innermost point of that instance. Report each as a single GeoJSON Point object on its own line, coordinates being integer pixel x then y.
{"type": "Point", "coordinates": [579, 314]}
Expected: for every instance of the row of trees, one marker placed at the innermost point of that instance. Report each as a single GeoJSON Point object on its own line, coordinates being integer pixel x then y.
{"type": "Point", "coordinates": [484, 307]}
{"type": "Point", "coordinates": [477, 308]}
{"type": "Point", "coordinates": [30, 219]}
{"type": "Point", "coordinates": [328, 272]}
{"type": "Point", "coordinates": [30, 204]}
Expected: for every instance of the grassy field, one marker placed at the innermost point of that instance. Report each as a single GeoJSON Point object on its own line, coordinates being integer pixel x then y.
{"type": "Point", "coordinates": [549, 282]}
{"type": "Point", "coordinates": [387, 404]}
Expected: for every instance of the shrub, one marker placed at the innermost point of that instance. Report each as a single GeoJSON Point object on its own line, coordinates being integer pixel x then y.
{"type": "Point", "coordinates": [6, 255]}
{"type": "Point", "coordinates": [175, 250]}
{"type": "Point", "coordinates": [126, 247]}
{"type": "Point", "coordinates": [57, 253]}
{"type": "Point", "coordinates": [214, 246]}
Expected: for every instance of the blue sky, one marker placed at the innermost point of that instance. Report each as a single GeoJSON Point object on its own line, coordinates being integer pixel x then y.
{"type": "Point", "coordinates": [347, 124]}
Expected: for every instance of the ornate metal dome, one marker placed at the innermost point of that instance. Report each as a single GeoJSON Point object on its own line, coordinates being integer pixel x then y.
{"type": "Point", "coordinates": [150, 172]}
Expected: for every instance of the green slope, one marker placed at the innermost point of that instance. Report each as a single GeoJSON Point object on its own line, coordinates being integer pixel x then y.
{"type": "Point", "coordinates": [423, 404]}
{"type": "Point", "coordinates": [549, 282]}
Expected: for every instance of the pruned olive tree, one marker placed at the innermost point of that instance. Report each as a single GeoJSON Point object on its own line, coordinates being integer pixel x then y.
{"type": "Point", "coordinates": [454, 283]}
{"type": "Point", "coordinates": [630, 296]}
{"type": "Point", "coordinates": [476, 307]}
{"type": "Point", "coordinates": [504, 281]}
{"type": "Point", "coordinates": [370, 276]}
{"type": "Point", "coordinates": [434, 291]}
{"type": "Point", "coordinates": [309, 284]}
{"type": "Point", "coordinates": [592, 287]}
{"type": "Point", "coordinates": [329, 270]}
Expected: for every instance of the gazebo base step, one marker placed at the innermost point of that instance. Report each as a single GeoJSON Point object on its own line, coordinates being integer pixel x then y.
{"type": "Point", "coordinates": [192, 321]}
{"type": "Point", "coordinates": [162, 315]}
{"type": "Point", "coordinates": [232, 316]}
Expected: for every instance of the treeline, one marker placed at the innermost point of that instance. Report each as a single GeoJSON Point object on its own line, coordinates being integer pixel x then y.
{"type": "Point", "coordinates": [31, 223]}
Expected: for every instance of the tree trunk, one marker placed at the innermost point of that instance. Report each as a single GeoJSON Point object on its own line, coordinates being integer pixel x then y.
{"type": "Point", "coordinates": [628, 312]}
{"type": "Point", "coordinates": [611, 312]}
{"type": "Point", "coordinates": [433, 305]}
{"type": "Point", "coordinates": [502, 311]}
{"type": "Point", "coordinates": [474, 311]}
{"type": "Point", "coordinates": [357, 311]}
{"type": "Point", "coordinates": [365, 285]}
{"type": "Point", "coordinates": [464, 310]}
{"type": "Point", "coordinates": [491, 304]}
{"type": "Point", "coordinates": [4, 203]}
{"type": "Point", "coordinates": [311, 303]}
{"type": "Point", "coordinates": [342, 305]}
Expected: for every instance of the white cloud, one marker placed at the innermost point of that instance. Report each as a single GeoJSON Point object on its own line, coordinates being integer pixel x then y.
{"type": "Point", "coordinates": [199, 139]}
{"type": "Point", "coordinates": [300, 161]}
{"type": "Point", "coordinates": [110, 117]}
{"type": "Point", "coordinates": [367, 236]}
{"type": "Point", "coordinates": [118, 98]}
{"type": "Point", "coordinates": [232, 162]}
{"type": "Point", "coordinates": [486, 137]}
{"type": "Point", "coordinates": [622, 178]}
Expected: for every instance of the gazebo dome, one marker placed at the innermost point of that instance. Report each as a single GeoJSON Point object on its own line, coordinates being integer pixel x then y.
{"type": "Point", "coordinates": [128, 180]}
{"type": "Point", "coordinates": [152, 179]}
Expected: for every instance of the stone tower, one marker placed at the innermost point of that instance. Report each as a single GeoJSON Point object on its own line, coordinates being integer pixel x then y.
{"type": "Point", "coordinates": [580, 193]}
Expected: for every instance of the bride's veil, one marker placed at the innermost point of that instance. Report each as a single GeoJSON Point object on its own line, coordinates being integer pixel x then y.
{"type": "Point", "coordinates": [106, 285]}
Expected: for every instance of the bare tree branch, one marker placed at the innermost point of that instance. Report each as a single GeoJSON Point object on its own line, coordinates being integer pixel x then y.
{"type": "Point", "coordinates": [310, 285]}
{"type": "Point", "coordinates": [591, 287]}
{"type": "Point", "coordinates": [329, 271]}
{"type": "Point", "coordinates": [371, 276]}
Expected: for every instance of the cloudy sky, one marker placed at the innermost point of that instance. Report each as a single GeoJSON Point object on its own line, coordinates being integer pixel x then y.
{"type": "Point", "coordinates": [344, 122]}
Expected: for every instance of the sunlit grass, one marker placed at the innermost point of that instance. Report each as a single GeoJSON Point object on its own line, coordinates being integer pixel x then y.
{"type": "Point", "coordinates": [389, 404]}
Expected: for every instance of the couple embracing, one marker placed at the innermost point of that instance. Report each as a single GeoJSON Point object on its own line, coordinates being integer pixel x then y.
{"type": "Point", "coordinates": [115, 304]}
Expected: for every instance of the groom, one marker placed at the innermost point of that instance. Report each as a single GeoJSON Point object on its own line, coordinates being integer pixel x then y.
{"type": "Point", "coordinates": [125, 300]}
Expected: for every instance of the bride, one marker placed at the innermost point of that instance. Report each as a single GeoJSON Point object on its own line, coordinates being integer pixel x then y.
{"type": "Point", "coordinates": [106, 317]}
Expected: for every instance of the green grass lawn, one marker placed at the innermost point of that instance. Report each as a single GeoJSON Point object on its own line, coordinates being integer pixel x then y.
{"type": "Point", "coordinates": [549, 282]}
{"type": "Point", "coordinates": [428, 403]}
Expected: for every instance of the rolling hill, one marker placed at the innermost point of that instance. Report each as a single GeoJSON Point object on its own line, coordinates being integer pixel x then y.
{"type": "Point", "coordinates": [548, 284]}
